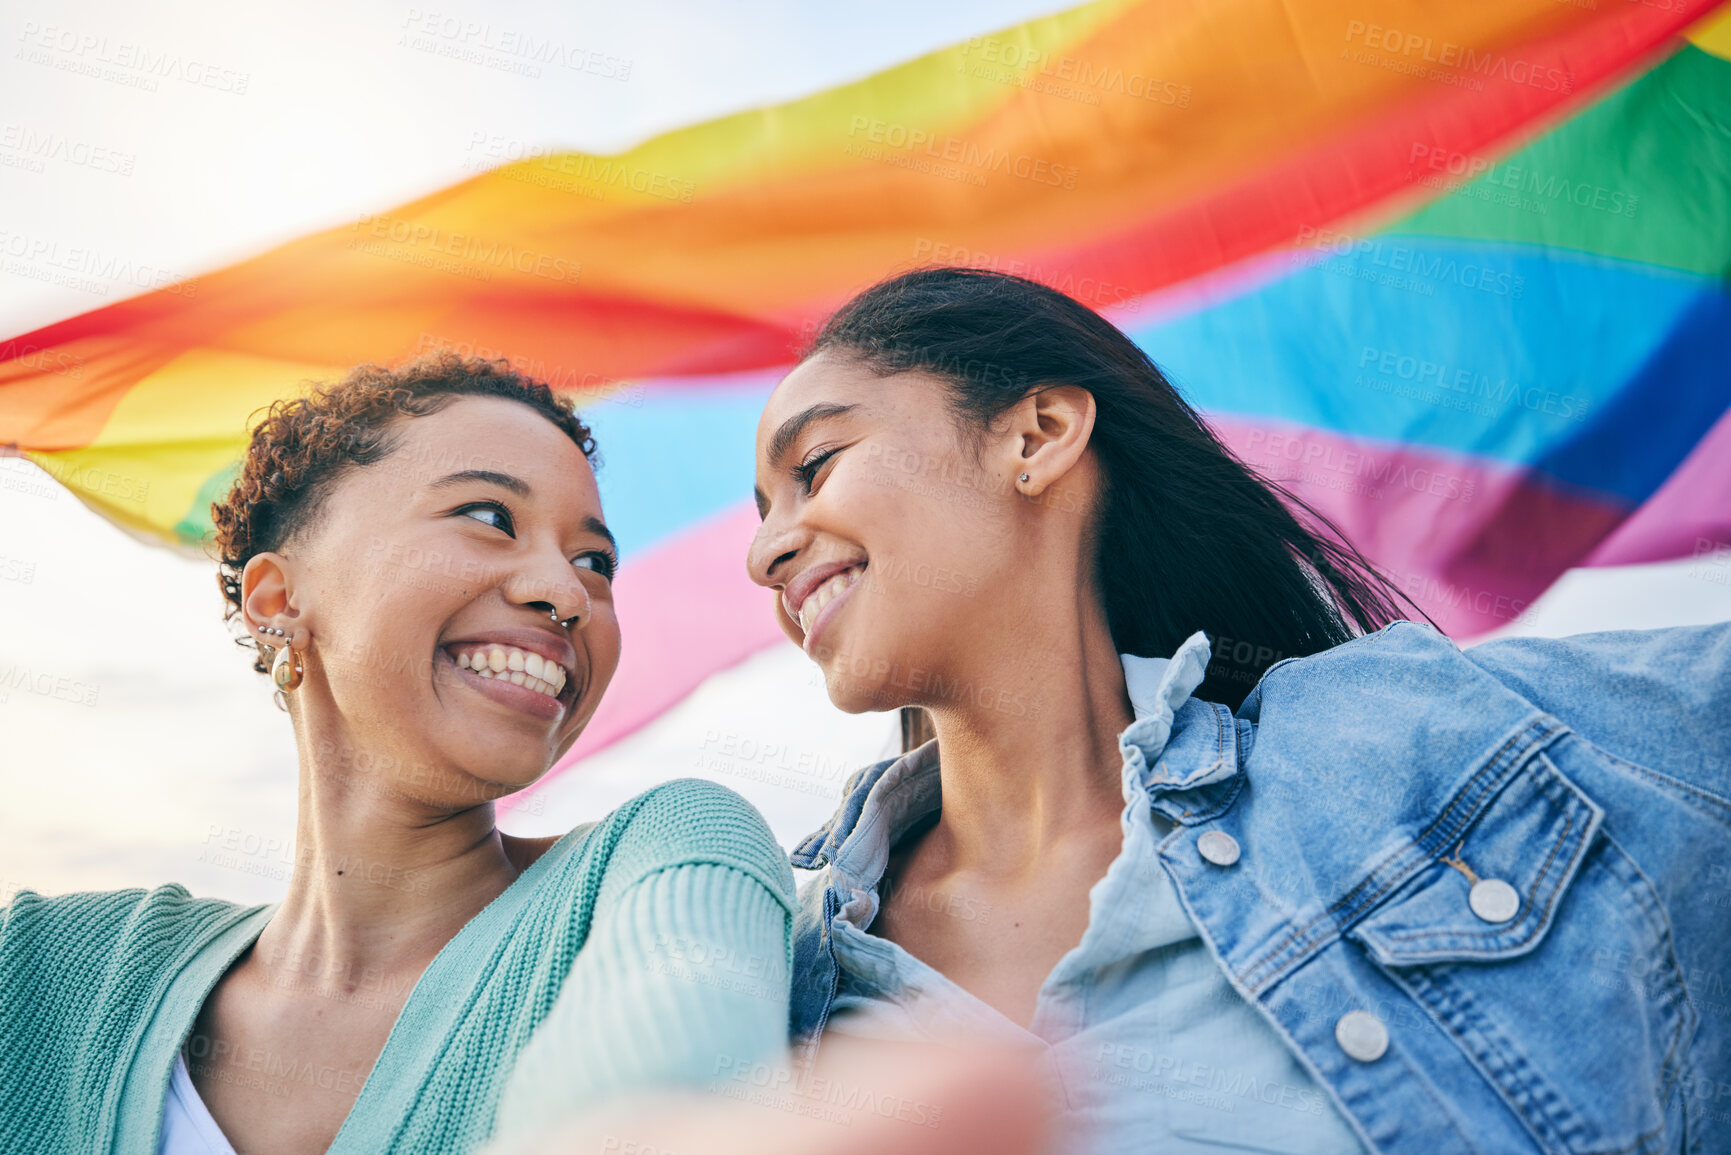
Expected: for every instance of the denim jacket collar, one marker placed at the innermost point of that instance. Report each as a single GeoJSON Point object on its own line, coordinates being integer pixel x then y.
{"type": "Point", "coordinates": [882, 800]}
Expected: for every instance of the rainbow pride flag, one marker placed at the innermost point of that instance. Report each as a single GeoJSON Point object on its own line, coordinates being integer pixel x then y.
{"type": "Point", "coordinates": [1457, 275]}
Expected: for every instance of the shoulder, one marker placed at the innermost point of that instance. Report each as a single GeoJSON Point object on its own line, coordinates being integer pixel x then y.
{"type": "Point", "coordinates": [690, 821]}
{"type": "Point", "coordinates": [1698, 656]}
{"type": "Point", "coordinates": [1400, 643]}
{"type": "Point", "coordinates": [1701, 654]}
{"type": "Point", "coordinates": [1364, 686]}
{"type": "Point", "coordinates": [164, 916]}
{"type": "Point", "coordinates": [65, 952]}
{"type": "Point", "coordinates": [1659, 698]}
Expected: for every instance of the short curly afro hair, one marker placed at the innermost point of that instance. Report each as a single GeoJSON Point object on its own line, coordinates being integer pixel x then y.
{"type": "Point", "coordinates": [304, 445]}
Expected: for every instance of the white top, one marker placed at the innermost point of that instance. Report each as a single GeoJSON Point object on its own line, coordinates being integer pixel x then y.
{"type": "Point", "coordinates": [187, 1128]}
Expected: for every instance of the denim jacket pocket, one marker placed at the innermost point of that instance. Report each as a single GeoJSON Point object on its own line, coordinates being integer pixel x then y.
{"type": "Point", "coordinates": [1502, 940]}
{"type": "Point", "coordinates": [1495, 893]}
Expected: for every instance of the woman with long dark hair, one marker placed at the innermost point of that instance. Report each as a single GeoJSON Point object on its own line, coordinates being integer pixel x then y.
{"type": "Point", "coordinates": [1250, 862]}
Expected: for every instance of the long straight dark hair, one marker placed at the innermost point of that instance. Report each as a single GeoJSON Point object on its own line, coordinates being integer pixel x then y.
{"type": "Point", "coordinates": [1186, 536]}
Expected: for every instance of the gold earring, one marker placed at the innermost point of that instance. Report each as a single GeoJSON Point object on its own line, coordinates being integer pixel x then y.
{"type": "Point", "coordinates": [287, 670]}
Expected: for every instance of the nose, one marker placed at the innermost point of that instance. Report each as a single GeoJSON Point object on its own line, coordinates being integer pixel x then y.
{"type": "Point", "coordinates": [552, 588]}
{"type": "Point", "coordinates": [776, 544]}
{"type": "Point", "coordinates": [565, 621]}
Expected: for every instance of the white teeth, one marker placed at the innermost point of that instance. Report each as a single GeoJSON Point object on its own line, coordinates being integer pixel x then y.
{"type": "Point", "coordinates": [823, 595]}
{"type": "Point", "coordinates": [519, 667]}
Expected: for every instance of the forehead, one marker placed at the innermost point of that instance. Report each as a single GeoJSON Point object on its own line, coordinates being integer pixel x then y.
{"type": "Point", "coordinates": [818, 379]}
{"type": "Point", "coordinates": [494, 434]}
{"type": "Point", "coordinates": [831, 379]}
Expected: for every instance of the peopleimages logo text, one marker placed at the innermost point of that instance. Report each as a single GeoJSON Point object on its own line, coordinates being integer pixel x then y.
{"type": "Point", "coordinates": [1422, 372]}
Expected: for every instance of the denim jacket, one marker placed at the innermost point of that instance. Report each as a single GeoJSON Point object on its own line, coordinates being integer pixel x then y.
{"type": "Point", "coordinates": [1484, 896]}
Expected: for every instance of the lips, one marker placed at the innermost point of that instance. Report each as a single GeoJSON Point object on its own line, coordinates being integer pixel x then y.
{"type": "Point", "coordinates": [806, 595]}
{"type": "Point", "coordinates": [531, 670]}
{"type": "Point", "coordinates": [815, 596]}
{"type": "Point", "coordinates": [519, 667]}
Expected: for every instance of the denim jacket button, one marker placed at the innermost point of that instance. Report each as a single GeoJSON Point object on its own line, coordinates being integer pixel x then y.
{"type": "Point", "coordinates": [1362, 1036]}
{"type": "Point", "coordinates": [1218, 847]}
{"type": "Point", "coordinates": [1494, 900]}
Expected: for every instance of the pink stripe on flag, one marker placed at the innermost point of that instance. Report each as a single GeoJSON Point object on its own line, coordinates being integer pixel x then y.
{"type": "Point", "coordinates": [1687, 516]}
{"type": "Point", "coordinates": [1472, 542]}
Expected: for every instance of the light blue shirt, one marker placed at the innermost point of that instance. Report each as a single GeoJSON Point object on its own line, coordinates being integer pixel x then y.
{"type": "Point", "coordinates": [1150, 1047]}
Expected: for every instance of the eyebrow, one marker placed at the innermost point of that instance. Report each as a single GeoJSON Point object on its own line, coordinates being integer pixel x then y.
{"type": "Point", "coordinates": [599, 528]}
{"type": "Point", "coordinates": [505, 481]}
{"type": "Point", "coordinates": [795, 425]}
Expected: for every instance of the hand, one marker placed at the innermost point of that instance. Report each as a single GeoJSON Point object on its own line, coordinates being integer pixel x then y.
{"type": "Point", "coordinates": [865, 1100]}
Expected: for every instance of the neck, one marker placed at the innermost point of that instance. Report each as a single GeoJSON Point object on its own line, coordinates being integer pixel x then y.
{"type": "Point", "coordinates": [381, 881]}
{"type": "Point", "coordinates": [1034, 763]}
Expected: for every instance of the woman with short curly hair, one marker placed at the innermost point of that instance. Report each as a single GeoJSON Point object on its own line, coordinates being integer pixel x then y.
{"type": "Point", "coordinates": [419, 559]}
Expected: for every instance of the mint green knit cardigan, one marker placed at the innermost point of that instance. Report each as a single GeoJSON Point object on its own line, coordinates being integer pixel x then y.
{"type": "Point", "coordinates": [651, 949]}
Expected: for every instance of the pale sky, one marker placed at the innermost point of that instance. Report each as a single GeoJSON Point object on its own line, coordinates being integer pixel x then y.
{"type": "Point", "coordinates": [164, 141]}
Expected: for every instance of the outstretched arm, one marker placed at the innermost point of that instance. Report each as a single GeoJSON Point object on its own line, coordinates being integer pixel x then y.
{"type": "Point", "coordinates": [683, 980]}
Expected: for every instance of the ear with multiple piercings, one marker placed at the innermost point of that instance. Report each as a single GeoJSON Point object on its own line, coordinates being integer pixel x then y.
{"type": "Point", "coordinates": [287, 669]}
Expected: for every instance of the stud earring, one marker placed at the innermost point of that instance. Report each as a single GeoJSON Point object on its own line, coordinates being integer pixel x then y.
{"type": "Point", "coordinates": [287, 670]}
{"type": "Point", "coordinates": [1023, 479]}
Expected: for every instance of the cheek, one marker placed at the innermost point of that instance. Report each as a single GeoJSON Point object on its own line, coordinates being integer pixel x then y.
{"type": "Point", "coordinates": [933, 568]}
{"type": "Point", "coordinates": [928, 504]}
{"type": "Point", "coordinates": [377, 624]}
{"type": "Point", "coordinates": [602, 641]}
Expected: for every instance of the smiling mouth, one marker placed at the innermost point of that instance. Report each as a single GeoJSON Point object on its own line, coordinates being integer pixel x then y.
{"type": "Point", "coordinates": [518, 667]}
{"type": "Point", "coordinates": [538, 686]}
{"type": "Point", "coordinates": [812, 606]}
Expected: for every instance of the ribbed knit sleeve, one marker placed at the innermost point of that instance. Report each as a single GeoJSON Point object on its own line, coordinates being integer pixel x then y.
{"type": "Point", "coordinates": [683, 980]}
{"type": "Point", "coordinates": [686, 981]}
{"type": "Point", "coordinates": [81, 976]}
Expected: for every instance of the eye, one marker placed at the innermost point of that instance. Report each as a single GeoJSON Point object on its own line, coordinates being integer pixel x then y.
{"type": "Point", "coordinates": [598, 561]}
{"type": "Point", "coordinates": [806, 471]}
{"type": "Point", "coordinates": [488, 513]}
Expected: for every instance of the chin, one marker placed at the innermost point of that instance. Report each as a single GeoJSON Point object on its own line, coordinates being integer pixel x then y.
{"type": "Point", "coordinates": [852, 695]}
{"type": "Point", "coordinates": [496, 773]}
